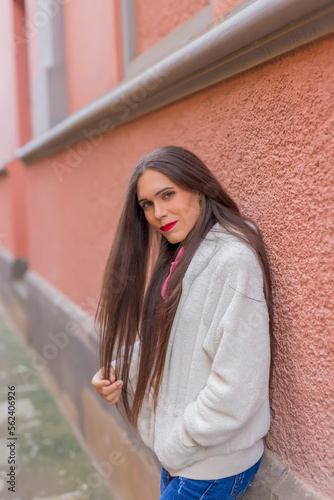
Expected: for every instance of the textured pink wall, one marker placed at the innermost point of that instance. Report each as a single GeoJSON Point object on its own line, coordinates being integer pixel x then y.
{"type": "Point", "coordinates": [6, 228]}
{"type": "Point", "coordinates": [17, 212]}
{"type": "Point", "coordinates": [267, 134]}
{"type": "Point", "coordinates": [93, 49]}
{"type": "Point", "coordinates": [71, 222]}
{"type": "Point", "coordinates": [33, 22]}
{"type": "Point", "coordinates": [8, 110]}
{"type": "Point", "coordinates": [221, 7]}
{"type": "Point", "coordinates": [155, 20]}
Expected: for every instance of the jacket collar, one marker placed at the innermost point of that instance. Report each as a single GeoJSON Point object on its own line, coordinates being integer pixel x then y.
{"type": "Point", "coordinates": [207, 248]}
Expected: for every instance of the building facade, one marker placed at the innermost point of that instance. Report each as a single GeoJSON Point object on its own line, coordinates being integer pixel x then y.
{"type": "Point", "coordinates": [87, 88]}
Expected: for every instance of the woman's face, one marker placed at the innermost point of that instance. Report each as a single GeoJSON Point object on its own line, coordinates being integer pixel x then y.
{"type": "Point", "coordinates": [170, 209]}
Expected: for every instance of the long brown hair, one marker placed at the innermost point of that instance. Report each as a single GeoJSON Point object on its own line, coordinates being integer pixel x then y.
{"type": "Point", "coordinates": [130, 305]}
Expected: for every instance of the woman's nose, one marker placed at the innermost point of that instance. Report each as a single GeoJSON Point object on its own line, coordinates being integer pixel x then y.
{"type": "Point", "coordinates": [159, 211]}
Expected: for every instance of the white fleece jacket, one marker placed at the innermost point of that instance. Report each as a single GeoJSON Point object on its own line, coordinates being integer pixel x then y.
{"type": "Point", "coordinates": [213, 406]}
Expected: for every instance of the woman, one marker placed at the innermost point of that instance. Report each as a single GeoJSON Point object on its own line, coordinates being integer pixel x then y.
{"type": "Point", "coordinates": [190, 335]}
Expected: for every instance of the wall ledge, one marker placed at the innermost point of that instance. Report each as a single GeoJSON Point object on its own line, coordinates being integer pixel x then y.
{"type": "Point", "coordinates": [257, 33]}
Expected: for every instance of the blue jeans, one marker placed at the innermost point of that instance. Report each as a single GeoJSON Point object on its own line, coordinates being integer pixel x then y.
{"type": "Point", "coordinates": [228, 488]}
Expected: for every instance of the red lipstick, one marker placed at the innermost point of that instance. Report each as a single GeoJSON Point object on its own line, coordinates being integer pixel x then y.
{"type": "Point", "coordinates": [169, 226]}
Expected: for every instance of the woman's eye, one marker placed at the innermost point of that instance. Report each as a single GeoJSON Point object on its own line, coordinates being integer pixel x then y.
{"type": "Point", "coordinates": [147, 204]}
{"type": "Point", "coordinates": [167, 195]}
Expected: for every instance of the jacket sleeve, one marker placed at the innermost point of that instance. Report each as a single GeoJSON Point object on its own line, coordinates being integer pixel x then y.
{"type": "Point", "coordinates": [238, 343]}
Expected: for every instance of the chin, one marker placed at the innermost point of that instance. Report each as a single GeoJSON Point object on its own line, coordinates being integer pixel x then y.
{"type": "Point", "coordinates": [173, 239]}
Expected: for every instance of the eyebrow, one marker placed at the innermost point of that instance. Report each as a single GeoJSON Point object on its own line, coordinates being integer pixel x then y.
{"type": "Point", "coordinates": [158, 192]}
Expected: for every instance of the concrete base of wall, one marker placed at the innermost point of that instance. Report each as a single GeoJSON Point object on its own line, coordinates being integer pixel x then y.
{"type": "Point", "coordinates": [13, 292]}
{"type": "Point", "coordinates": [274, 481]}
{"type": "Point", "coordinates": [62, 343]}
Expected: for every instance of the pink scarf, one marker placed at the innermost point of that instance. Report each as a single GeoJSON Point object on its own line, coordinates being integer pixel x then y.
{"type": "Point", "coordinates": [173, 264]}
{"type": "Point", "coordinates": [164, 286]}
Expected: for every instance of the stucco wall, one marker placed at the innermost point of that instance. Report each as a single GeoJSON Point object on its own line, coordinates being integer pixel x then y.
{"type": "Point", "coordinates": [166, 15]}
{"type": "Point", "coordinates": [8, 117]}
{"type": "Point", "coordinates": [92, 47]}
{"type": "Point", "coordinates": [267, 135]}
{"type": "Point", "coordinates": [9, 140]}
{"type": "Point", "coordinates": [6, 230]}
{"type": "Point", "coordinates": [221, 7]}
{"type": "Point", "coordinates": [33, 24]}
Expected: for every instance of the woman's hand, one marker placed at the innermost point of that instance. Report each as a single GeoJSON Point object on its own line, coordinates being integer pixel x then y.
{"type": "Point", "coordinates": [110, 389]}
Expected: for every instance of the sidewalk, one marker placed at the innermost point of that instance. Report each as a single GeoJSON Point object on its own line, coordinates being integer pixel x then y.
{"type": "Point", "coordinates": [39, 453]}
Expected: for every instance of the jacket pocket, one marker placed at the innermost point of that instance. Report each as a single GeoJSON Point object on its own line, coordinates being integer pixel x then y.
{"type": "Point", "coordinates": [187, 440]}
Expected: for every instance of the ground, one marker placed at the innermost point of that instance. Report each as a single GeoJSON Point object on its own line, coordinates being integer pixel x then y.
{"type": "Point", "coordinates": [47, 460]}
